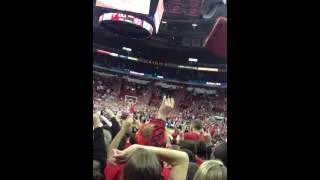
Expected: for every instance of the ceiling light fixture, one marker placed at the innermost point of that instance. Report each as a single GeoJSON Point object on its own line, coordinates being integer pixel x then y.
{"type": "Point", "coordinates": [127, 49]}
{"type": "Point", "coordinates": [193, 60]}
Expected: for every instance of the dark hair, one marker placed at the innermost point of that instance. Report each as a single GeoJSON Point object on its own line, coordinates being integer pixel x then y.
{"type": "Point", "coordinates": [173, 142]}
{"type": "Point", "coordinates": [191, 155]}
{"type": "Point", "coordinates": [209, 152]}
{"type": "Point", "coordinates": [192, 169]}
{"type": "Point", "coordinates": [220, 152]}
{"type": "Point", "coordinates": [143, 165]}
{"type": "Point", "coordinates": [187, 144]}
{"type": "Point", "coordinates": [201, 149]}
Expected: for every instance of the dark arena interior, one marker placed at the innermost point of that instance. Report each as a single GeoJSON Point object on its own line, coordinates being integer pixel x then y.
{"type": "Point", "coordinates": [159, 89]}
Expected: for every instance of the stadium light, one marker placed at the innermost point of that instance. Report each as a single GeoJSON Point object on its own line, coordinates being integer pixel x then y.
{"type": "Point", "coordinates": [114, 54]}
{"type": "Point", "coordinates": [132, 58]}
{"type": "Point", "coordinates": [193, 60]}
{"type": "Point", "coordinates": [188, 67]}
{"type": "Point", "coordinates": [122, 56]}
{"type": "Point", "coordinates": [161, 77]}
{"type": "Point", "coordinates": [136, 73]}
{"type": "Point", "coordinates": [127, 49]}
{"type": "Point", "coordinates": [208, 69]}
{"type": "Point", "coordinates": [194, 25]}
{"type": "Point", "coordinates": [103, 52]}
{"type": "Point", "coordinates": [214, 84]}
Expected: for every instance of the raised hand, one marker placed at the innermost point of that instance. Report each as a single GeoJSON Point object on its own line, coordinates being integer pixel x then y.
{"type": "Point", "coordinates": [167, 105]}
{"type": "Point", "coordinates": [128, 122]}
{"type": "Point", "coordinates": [121, 157]}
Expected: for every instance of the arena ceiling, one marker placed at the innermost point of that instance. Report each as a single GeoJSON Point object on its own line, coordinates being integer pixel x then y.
{"type": "Point", "coordinates": [185, 25]}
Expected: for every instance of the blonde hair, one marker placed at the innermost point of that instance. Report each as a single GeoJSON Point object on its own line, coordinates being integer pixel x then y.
{"type": "Point", "coordinates": [211, 170]}
{"type": "Point", "coordinates": [143, 165]}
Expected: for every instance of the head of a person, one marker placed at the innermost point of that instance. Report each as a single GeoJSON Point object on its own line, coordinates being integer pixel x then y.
{"type": "Point", "coordinates": [201, 149]}
{"type": "Point", "coordinates": [220, 153]}
{"type": "Point", "coordinates": [144, 133]}
{"type": "Point", "coordinates": [148, 135]}
{"type": "Point", "coordinates": [142, 165]}
{"type": "Point", "coordinates": [187, 144]}
{"type": "Point", "coordinates": [196, 125]}
{"type": "Point", "coordinates": [191, 155]}
{"type": "Point", "coordinates": [211, 170]}
{"type": "Point", "coordinates": [192, 169]}
{"type": "Point", "coordinates": [208, 152]}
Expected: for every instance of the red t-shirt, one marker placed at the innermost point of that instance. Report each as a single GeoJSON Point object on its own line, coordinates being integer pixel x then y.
{"type": "Point", "coordinates": [174, 135]}
{"type": "Point", "coordinates": [199, 161]}
{"type": "Point", "coordinates": [126, 145]}
{"type": "Point", "coordinates": [192, 136]}
{"type": "Point", "coordinates": [166, 173]}
{"type": "Point", "coordinates": [114, 172]}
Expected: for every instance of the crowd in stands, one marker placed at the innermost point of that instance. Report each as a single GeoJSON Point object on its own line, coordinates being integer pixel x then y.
{"type": "Point", "coordinates": [167, 72]}
{"type": "Point", "coordinates": [145, 131]}
{"type": "Point", "coordinates": [189, 103]}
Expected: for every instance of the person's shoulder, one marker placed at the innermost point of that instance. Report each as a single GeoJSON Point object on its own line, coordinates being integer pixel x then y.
{"type": "Point", "coordinates": [190, 135]}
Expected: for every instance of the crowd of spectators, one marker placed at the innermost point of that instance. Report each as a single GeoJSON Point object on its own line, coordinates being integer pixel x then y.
{"type": "Point", "coordinates": [190, 103]}
{"type": "Point", "coordinates": [144, 131]}
{"type": "Point", "coordinates": [167, 72]}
